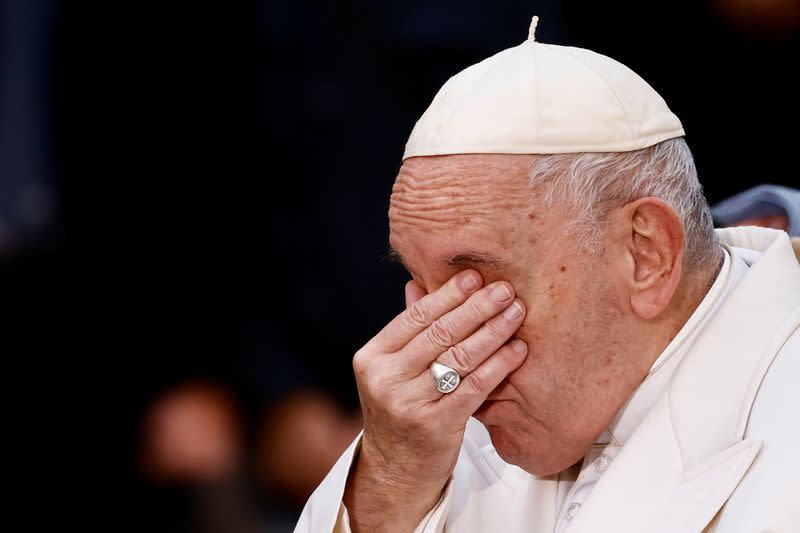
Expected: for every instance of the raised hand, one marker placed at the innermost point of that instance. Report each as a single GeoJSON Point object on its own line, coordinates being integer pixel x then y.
{"type": "Point", "coordinates": [413, 432]}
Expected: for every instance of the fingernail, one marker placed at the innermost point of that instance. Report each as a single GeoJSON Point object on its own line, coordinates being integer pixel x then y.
{"type": "Point", "coordinates": [519, 346]}
{"type": "Point", "coordinates": [469, 282]}
{"type": "Point", "coordinates": [501, 293]}
{"type": "Point", "coordinates": [513, 312]}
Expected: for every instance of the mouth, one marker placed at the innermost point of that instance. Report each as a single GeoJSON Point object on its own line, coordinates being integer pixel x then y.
{"type": "Point", "coordinates": [489, 404]}
{"type": "Point", "coordinates": [500, 393]}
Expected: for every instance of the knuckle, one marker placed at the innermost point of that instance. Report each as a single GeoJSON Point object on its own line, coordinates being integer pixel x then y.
{"type": "Point", "coordinates": [358, 366]}
{"type": "Point", "coordinates": [418, 314]}
{"type": "Point", "coordinates": [477, 308]}
{"type": "Point", "coordinates": [439, 334]}
{"type": "Point", "coordinates": [359, 363]}
{"type": "Point", "coordinates": [496, 331]}
{"type": "Point", "coordinates": [476, 383]}
{"type": "Point", "coordinates": [459, 358]}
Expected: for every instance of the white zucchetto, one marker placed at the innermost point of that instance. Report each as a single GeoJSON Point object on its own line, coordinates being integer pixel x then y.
{"type": "Point", "coordinates": [543, 99]}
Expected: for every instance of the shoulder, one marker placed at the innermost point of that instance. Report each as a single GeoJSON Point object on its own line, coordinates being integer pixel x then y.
{"type": "Point", "coordinates": [766, 498]}
{"type": "Point", "coordinates": [774, 410]}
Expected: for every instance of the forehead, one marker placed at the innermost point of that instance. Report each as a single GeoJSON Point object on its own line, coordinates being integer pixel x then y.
{"type": "Point", "coordinates": [443, 191]}
{"type": "Point", "coordinates": [460, 206]}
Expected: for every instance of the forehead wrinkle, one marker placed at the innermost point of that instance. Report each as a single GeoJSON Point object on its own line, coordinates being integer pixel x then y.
{"type": "Point", "coordinates": [456, 189]}
{"type": "Point", "coordinates": [440, 209]}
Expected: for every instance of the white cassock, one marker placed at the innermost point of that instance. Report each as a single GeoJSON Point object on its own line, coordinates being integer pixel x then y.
{"type": "Point", "coordinates": [710, 441]}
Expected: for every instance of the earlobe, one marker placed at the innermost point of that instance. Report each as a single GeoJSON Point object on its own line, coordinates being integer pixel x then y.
{"type": "Point", "coordinates": [656, 249]}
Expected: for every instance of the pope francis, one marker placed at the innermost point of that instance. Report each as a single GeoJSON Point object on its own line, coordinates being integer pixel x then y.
{"type": "Point", "coordinates": [580, 351]}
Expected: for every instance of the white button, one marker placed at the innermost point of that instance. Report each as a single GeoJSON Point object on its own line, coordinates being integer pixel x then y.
{"type": "Point", "coordinates": [601, 463]}
{"type": "Point", "coordinates": [572, 510]}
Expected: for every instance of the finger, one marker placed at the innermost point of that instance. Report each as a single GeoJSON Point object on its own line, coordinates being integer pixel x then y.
{"type": "Point", "coordinates": [423, 312]}
{"type": "Point", "coordinates": [478, 384]}
{"type": "Point", "coordinates": [414, 293]}
{"type": "Point", "coordinates": [468, 354]}
{"type": "Point", "coordinates": [455, 326]}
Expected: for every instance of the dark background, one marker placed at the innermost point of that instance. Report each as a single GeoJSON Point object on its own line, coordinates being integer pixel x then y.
{"type": "Point", "coordinates": [199, 190]}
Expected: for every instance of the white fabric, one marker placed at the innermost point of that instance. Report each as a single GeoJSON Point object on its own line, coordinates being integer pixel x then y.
{"type": "Point", "coordinates": [716, 452]}
{"type": "Point", "coordinates": [543, 99]}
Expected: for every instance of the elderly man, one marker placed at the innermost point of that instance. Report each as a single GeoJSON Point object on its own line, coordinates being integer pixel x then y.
{"type": "Point", "coordinates": [580, 350]}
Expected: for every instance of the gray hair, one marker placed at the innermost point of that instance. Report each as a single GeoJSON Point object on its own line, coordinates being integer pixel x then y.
{"type": "Point", "coordinates": [592, 184]}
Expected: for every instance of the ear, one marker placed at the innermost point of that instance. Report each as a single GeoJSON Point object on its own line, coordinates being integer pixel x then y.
{"type": "Point", "coordinates": [654, 242]}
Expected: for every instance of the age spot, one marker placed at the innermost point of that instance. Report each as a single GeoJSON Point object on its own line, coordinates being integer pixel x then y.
{"type": "Point", "coordinates": [563, 269]}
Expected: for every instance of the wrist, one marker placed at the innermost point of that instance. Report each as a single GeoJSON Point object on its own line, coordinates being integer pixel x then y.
{"type": "Point", "coordinates": [381, 499]}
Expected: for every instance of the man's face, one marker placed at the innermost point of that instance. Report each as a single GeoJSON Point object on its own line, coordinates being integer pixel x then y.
{"type": "Point", "coordinates": [449, 213]}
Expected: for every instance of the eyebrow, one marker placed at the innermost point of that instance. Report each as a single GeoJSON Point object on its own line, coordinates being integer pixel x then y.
{"type": "Point", "coordinates": [394, 256]}
{"type": "Point", "coordinates": [470, 258]}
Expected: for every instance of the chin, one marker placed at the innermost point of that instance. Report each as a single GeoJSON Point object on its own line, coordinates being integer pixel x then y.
{"type": "Point", "coordinates": [523, 443]}
{"type": "Point", "coordinates": [513, 450]}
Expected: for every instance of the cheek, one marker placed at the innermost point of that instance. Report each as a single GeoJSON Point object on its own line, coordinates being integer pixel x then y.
{"type": "Point", "coordinates": [568, 296]}
{"type": "Point", "coordinates": [571, 326]}
{"type": "Point", "coordinates": [551, 304]}
{"type": "Point", "coordinates": [559, 328]}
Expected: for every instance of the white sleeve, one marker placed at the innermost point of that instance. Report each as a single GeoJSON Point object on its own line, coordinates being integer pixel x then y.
{"type": "Point", "coordinates": [323, 509]}
{"type": "Point", "coordinates": [434, 521]}
{"type": "Point", "coordinates": [342, 521]}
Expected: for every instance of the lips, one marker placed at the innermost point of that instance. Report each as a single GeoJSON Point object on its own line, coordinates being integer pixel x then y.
{"type": "Point", "coordinates": [487, 405]}
{"type": "Point", "coordinates": [496, 398]}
